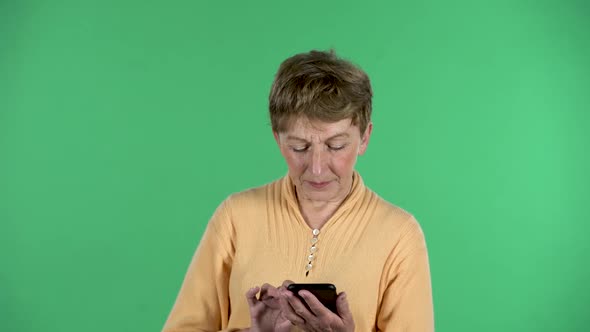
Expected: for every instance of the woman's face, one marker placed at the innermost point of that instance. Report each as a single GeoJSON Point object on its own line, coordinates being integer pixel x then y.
{"type": "Point", "coordinates": [321, 157]}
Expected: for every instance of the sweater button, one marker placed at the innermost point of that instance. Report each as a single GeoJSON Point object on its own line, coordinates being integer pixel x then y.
{"type": "Point", "coordinates": [313, 249]}
{"type": "Point", "coordinates": [310, 257]}
{"type": "Point", "coordinates": [315, 232]}
{"type": "Point", "coordinates": [314, 240]}
{"type": "Point", "coordinates": [308, 266]}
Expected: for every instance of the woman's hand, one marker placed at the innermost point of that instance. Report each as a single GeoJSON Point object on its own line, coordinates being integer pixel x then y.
{"type": "Point", "coordinates": [318, 318]}
{"type": "Point", "coordinates": [265, 310]}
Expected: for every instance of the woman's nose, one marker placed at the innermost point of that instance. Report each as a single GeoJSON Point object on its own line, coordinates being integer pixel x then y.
{"type": "Point", "coordinates": [317, 162]}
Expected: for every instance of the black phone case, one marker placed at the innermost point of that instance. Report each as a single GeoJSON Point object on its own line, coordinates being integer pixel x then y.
{"type": "Point", "coordinates": [326, 293]}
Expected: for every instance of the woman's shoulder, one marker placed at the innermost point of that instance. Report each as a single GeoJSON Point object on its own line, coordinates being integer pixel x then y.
{"type": "Point", "coordinates": [255, 196]}
{"type": "Point", "coordinates": [391, 214]}
{"type": "Point", "coordinates": [395, 225]}
{"type": "Point", "coordinates": [384, 205]}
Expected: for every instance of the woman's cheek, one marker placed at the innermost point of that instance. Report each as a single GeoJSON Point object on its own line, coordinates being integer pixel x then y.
{"type": "Point", "coordinates": [295, 162]}
{"type": "Point", "coordinates": [345, 162]}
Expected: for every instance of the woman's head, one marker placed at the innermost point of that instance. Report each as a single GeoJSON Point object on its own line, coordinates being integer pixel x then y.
{"type": "Point", "coordinates": [319, 86]}
{"type": "Point", "coordinates": [320, 108]}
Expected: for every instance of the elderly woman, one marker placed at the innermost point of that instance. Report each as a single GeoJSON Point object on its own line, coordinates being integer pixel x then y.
{"type": "Point", "coordinates": [318, 224]}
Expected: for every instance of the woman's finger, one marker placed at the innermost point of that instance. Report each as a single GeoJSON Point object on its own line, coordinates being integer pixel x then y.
{"type": "Point", "coordinates": [286, 283]}
{"type": "Point", "coordinates": [316, 307]}
{"type": "Point", "coordinates": [264, 290]}
{"type": "Point", "coordinates": [269, 296]}
{"type": "Point", "coordinates": [251, 296]}
{"type": "Point", "coordinates": [299, 308]}
{"type": "Point", "coordinates": [287, 310]}
{"type": "Point", "coordinates": [344, 309]}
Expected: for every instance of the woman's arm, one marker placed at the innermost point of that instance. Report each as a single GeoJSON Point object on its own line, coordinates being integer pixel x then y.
{"type": "Point", "coordinates": [203, 301]}
{"type": "Point", "coordinates": [407, 301]}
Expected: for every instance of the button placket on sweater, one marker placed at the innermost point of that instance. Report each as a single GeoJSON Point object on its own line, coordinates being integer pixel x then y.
{"type": "Point", "coordinates": [312, 251]}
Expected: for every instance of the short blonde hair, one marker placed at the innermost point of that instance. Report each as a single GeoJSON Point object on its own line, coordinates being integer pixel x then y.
{"type": "Point", "coordinates": [319, 86]}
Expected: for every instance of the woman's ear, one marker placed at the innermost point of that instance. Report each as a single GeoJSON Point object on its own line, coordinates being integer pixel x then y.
{"type": "Point", "coordinates": [277, 138]}
{"type": "Point", "coordinates": [365, 139]}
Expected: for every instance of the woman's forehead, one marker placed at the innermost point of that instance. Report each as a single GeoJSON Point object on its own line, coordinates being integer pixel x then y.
{"type": "Point", "coordinates": [307, 129]}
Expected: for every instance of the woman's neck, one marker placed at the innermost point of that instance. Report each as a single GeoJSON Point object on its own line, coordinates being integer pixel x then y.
{"type": "Point", "coordinates": [317, 213]}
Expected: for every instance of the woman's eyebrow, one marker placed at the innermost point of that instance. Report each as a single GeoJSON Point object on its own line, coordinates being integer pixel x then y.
{"type": "Point", "coordinates": [295, 138]}
{"type": "Point", "coordinates": [341, 135]}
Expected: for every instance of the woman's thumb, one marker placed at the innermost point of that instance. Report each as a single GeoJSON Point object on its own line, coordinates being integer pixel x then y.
{"type": "Point", "coordinates": [343, 308]}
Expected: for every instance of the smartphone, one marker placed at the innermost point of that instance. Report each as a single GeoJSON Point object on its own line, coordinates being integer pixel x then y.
{"type": "Point", "coordinates": [326, 293]}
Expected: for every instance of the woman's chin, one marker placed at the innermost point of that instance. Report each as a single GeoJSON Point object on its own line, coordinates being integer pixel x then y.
{"type": "Point", "coordinates": [317, 195]}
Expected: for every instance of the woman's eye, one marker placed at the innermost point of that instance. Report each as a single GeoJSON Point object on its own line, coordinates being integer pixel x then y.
{"type": "Point", "coordinates": [337, 147]}
{"type": "Point", "coordinates": [299, 148]}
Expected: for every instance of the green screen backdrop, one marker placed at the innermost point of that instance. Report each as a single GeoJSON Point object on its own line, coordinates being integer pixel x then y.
{"type": "Point", "coordinates": [123, 124]}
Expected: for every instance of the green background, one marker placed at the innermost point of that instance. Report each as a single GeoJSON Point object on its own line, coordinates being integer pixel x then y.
{"type": "Point", "coordinates": [123, 124]}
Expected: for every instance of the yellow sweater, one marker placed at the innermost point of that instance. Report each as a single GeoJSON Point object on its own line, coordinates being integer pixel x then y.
{"type": "Point", "coordinates": [371, 249]}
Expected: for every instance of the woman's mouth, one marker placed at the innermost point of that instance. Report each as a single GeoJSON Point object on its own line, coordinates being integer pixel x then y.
{"type": "Point", "coordinates": [318, 185]}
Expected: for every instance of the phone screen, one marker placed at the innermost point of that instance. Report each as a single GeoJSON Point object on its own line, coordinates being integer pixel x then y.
{"type": "Point", "coordinates": [325, 293]}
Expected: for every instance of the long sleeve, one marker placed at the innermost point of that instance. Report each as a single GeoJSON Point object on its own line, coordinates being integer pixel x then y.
{"type": "Point", "coordinates": [407, 301]}
{"type": "Point", "coordinates": [202, 304]}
